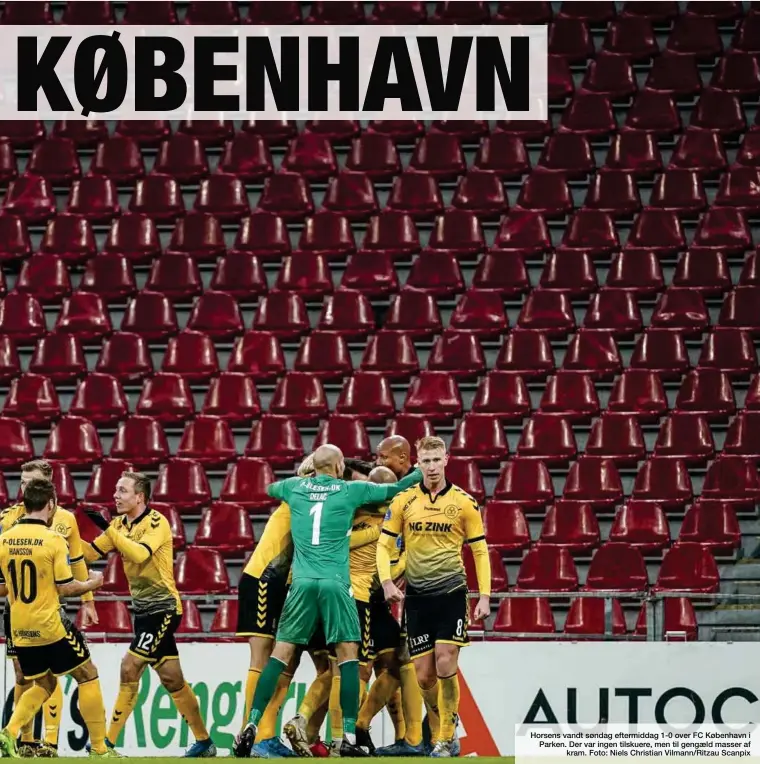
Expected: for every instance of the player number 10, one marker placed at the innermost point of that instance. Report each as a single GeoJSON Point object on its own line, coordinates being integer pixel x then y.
{"type": "Point", "coordinates": [316, 513]}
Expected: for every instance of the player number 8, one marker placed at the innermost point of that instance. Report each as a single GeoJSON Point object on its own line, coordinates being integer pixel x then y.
{"type": "Point", "coordinates": [460, 626]}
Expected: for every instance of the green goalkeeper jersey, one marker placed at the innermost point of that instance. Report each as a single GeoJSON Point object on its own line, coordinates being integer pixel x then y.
{"type": "Point", "coordinates": [322, 512]}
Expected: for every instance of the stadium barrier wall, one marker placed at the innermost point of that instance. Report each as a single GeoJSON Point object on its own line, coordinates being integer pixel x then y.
{"type": "Point", "coordinates": [503, 685]}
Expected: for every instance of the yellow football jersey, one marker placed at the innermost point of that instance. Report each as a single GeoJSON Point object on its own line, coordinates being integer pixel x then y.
{"type": "Point", "coordinates": [363, 555]}
{"type": "Point", "coordinates": [33, 563]}
{"type": "Point", "coordinates": [273, 554]}
{"type": "Point", "coordinates": [434, 531]}
{"type": "Point", "coordinates": [151, 583]}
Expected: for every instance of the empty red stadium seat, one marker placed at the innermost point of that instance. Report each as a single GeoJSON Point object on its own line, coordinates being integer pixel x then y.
{"type": "Point", "coordinates": [730, 350]}
{"type": "Point", "coordinates": [614, 191]}
{"type": "Point", "coordinates": [226, 616]}
{"type": "Point", "coordinates": [594, 353]}
{"type": "Point", "coordinates": [366, 396]}
{"type": "Point", "coordinates": [459, 353]}
{"type": "Point", "coordinates": [392, 354]}
{"type": "Point", "coordinates": [288, 195]}
{"type": "Point", "coordinates": [73, 441]}
{"type": "Point", "coordinates": [506, 527]}
{"type": "Point", "coordinates": [742, 439]}
{"type": "Point", "coordinates": [707, 392]}
{"type": "Point", "coordinates": [712, 524]}
{"type": "Point", "coordinates": [547, 311]}
{"type": "Point", "coordinates": [640, 393]}
{"type": "Point", "coordinates": [276, 439]}
{"type": "Point", "coordinates": [32, 398]}
{"type": "Point", "coordinates": [636, 271]}
{"type": "Point", "coordinates": [95, 198]}
{"type": "Point", "coordinates": [571, 525]}
{"type": "Point", "coordinates": [257, 354]}
{"type": "Point", "coordinates": [349, 313]}
{"type": "Point", "coordinates": [151, 315]}
{"type": "Point", "coordinates": [21, 318]}
{"type": "Point", "coordinates": [725, 228]}
{"type": "Point", "coordinates": [525, 232]}
{"type": "Point", "coordinates": [113, 620]}
{"type": "Point", "coordinates": [247, 156]}
{"type": "Point", "coordinates": [232, 396]}
{"type": "Point", "coordinates": [524, 615]}
{"type": "Point", "coordinates": [568, 153]}
{"type": "Point", "coordinates": [299, 395]}
{"type": "Point", "coordinates": [124, 355]}
{"type": "Point", "coordinates": [570, 395]}
{"type": "Point", "coordinates": [700, 151]}
{"type": "Point", "coordinates": [201, 571]}
{"type": "Point", "coordinates": [30, 197]}
{"type": "Point", "coordinates": [86, 315]}
{"type": "Point", "coordinates": [190, 624]}
{"type": "Point", "coordinates": [210, 132]}
{"type": "Point", "coordinates": [166, 397]}
{"type": "Point", "coordinates": [687, 436]}
{"type": "Point", "coordinates": [504, 153]}
{"type": "Point", "coordinates": [703, 270]}
{"type": "Point", "coordinates": [571, 39]}
{"type": "Point", "coordinates": [571, 271]}
{"type": "Point", "coordinates": [118, 157]}
{"type": "Point", "coordinates": [328, 234]}
{"type": "Point", "coordinates": [547, 568]}
{"type": "Point", "coordinates": [109, 275]}
{"type": "Point", "coordinates": [140, 440]}
{"type": "Point", "coordinates": [503, 394]}
{"type": "Point", "coordinates": [102, 483]}
{"type": "Point", "coordinates": [375, 155]}
{"type": "Point", "coordinates": [643, 525]}
{"type": "Point", "coordinates": [679, 622]}
{"type": "Point", "coordinates": [664, 481]}
{"type": "Point", "coordinates": [239, 274]}
{"type": "Point", "coordinates": [312, 156]}
{"type": "Point", "coordinates": [45, 277]}
{"type": "Point", "coordinates": [391, 232]}
{"type": "Point", "coordinates": [526, 353]}
{"type": "Point", "coordinates": [588, 616]}
{"type": "Point", "coordinates": [225, 528]}
{"type": "Point", "coordinates": [688, 566]}
{"type": "Point", "coordinates": [658, 230]}
{"type": "Point", "coordinates": [632, 152]}
{"type": "Point", "coordinates": [135, 236]}
{"type": "Point", "coordinates": [653, 111]}
{"type": "Point", "coordinates": [612, 310]}
{"type": "Point", "coordinates": [276, 132]}
{"type": "Point", "coordinates": [216, 314]}
{"type": "Point", "coordinates": [482, 437]}
{"type": "Point", "coordinates": [437, 273]}
{"type": "Point", "coordinates": [373, 276]}
{"type": "Point", "coordinates": [617, 437]}
{"type": "Point", "coordinates": [55, 159]}
{"type": "Point", "coordinates": [464, 473]}
{"type": "Point", "coordinates": [732, 478]}
{"type": "Point", "coordinates": [433, 395]}
{"type": "Point", "coordinates": [191, 355]}
{"type": "Point", "coordinates": [308, 274]}
{"type": "Point", "coordinates": [263, 234]}
{"type": "Point", "coordinates": [182, 157]}
{"type": "Point", "coordinates": [417, 194]}
{"type": "Point", "coordinates": [595, 481]}
{"type": "Point", "coordinates": [662, 351]}
{"type": "Point", "coordinates": [222, 195]}
{"type": "Point", "coordinates": [347, 433]}
{"type": "Point", "coordinates": [479, 311]}
{"type": "Point", "coordinates": [246, 483]}
{"type": "Point", "coordinates": [482, 193]}
{"type": "Point", "coordinates": [739, 309]}
{"type": "Point", "coordinates": [100, 398]}
{"type": "Point", "coordinates": [503, 273]}
{"type": "Point", "coordinates": [619, 567]}
{"type": "Point", "coordinates": [198, 235]}
{"type": "Point", "coordinates": [547, 194]}
{"type": "Point", "coordinates": [336, 130]}
{"type": "Point", "coordinates": [283, 314]}
{"type": "Point", "coordinates": [57, 356]}
{"type": "Point", "coordinates": [10, 364]}
{"type": "Point", "coordinates": [209, 440]}
{"type": "Point", "coordinates": [183, 484]}
{"type": "Point", "coordinates": [160, 12]}
{"type": "Point", "coordinates": [325, 355]}
{"type": "Point", "coordinates": [737, 72]}
{"type": "Point", "coordinates": [751, 402]}
{"type": "Point", "coordinates": [548, 438]}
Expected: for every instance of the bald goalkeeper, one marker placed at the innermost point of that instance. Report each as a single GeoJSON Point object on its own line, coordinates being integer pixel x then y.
{"type": "Point", "coordinates": [322, 510]}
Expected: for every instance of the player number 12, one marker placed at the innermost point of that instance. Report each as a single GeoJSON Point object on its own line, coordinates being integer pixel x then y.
{"type": "Point", "coordinates": [316, 513]}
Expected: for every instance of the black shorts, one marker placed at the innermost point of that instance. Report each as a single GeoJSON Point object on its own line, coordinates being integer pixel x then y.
{"type": "Point", "coordinates": [260, 605]}
{"type": "Point", "coordinates": [436, 618]}
{"type": "Point", "coordinates": [386, 632]}
{"type": "Point", "coordinates": [10, 648]}
{"type": "Point", "coordinates": [317, 643]}
{"type": "Point", "coordinates": [61, 657]}
{"type": "Point", "coordinates": [154, 636]}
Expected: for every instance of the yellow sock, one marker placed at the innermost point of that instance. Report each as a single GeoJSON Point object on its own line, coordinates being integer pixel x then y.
{"type": "Point", "coordinates": [93, 713]}
{"type": "Point", "coordinates": [377, 698]}
{"type": "Point", "coordinates": [27, 733]}
{"type": "Point", "coordinates": [125, 704]}
{"type": "Point", "coordinates": [396, 712]}
{"type": "Point", "coordinates": [315, 723]}
{"type": "Point", "coordinates": [187, 705]}
{"type": "Point", "coordinates": [52, 712]}
{"type": "Point", "coordinates": [431, 695]}
{"type": "Point", "coordinates": [448, 704]}
{"type": "Point", "coordinates": [317, 695]}
{"type": "Point", "coordinates": [267, 727]}
{"type": "Point", "coordinates": [336, 715]}
{"type": "Point", "coordinates": [26, 709]}
{"type": "Point", "coordinates": [250, 689]}
{"type": "Point", "coordinates": [411, 698]}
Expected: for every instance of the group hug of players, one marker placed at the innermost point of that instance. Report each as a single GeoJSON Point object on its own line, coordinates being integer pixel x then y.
{"type": "Point", "coordinates": [322, 579]}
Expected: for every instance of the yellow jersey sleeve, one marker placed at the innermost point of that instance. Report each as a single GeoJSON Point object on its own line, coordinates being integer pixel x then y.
{"type": "Point", "coordinates": [102, 545]}
{"type": "Point", "coordinates": [65, 523]}
{"type": "Point", "coordinates": [10, 516]}
{"type": "Point", "coordinates": [386, 544]}
{"type": "Point", "coordinates": [473, 524]}
{"type": "Point", "coordinates": [273, 554]}
{"type": "Point", "coordinates": [61, 568]}
{"type": "Point", "coordinates": [157, 534]}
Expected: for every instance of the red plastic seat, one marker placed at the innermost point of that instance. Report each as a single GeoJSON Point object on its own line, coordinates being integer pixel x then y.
{"type": "Point", "coordinates": [461, 13]}
{"type": "Point", "coordinates": [570, 271]}
{"type": "Point", "coordinates": [548, 312]}
{"type": "Point", "coordinates": [503, 394]}
{"type": "Point", "coordinates": [14, 239]}
{"type": "Point", "coordinates": [732, 478]}
{"type": "Point", "coordinates": [679, 191]}
{"type": "Point", "coordinates": [458, 353]}
{"type": "Point", "coordinates": [688, 567]}
{"type": "Point", "coordinates": [311, 155]}
{"type": "Point", "coordinates": [701, 151]}
{"type": "Point", "coordinates": [589, 114]}
{"type": "Point", "coordinates": [109, 275]}
{"type": "Point", "coordinates": [159, 197]}
{"type": "Point", "coordinates": [664, 481]}
{"type": "Point", "coordinates": [327, 234]}
{"type": "Point", "coordinates": [44, 277]}
{"type": "Point", "coordinates": [457, 232]}
{"type": "Point", "coordinates": [10, 364]}
{"type": "Point", "coordinates": [191, 355]}
{"type": "Point", "coordinates": [737, 72]}
{"type": "Point", "coordinates": [662, 351]}
{"type": "Point", "coordinates": [412, 428]}
{"type": "Point", "coordinates": [140, 440]}
{"type": "Point", "coordinates": [414, 312]}
{"type": "Point", "coordinates": [440, 155]}
{"type": "Point", "coordinates": [482, 437]}
{"type": "Point", "coordinates": [201, 571]}
{"type": "Point", "coordinates": [264, 235]}
{"type": "Point", "coordinates": [209, 440]}
{"type": "Point", "coordinates": [417, 194]}
{"type": "Point", "coordinates": [712, 525]}
{"type": "Point", "coordinates": [725, 228]}
{"type": "Point", "coordinates": [479, 311]}
{"type": "Point", "coordinates": [683, 310]}
{"type": "Point", "coordinates": [307, 274]}
{"type": "Point", "coordinates": [325, 355]}
{"type": "Point", "coordinates": [730, 350]}
{"type": "Point", "coordinates": [366, 396]}
{"type": "Point", "coordinates": [241, 275]}
{"type": "Point", "coordinates": [610, 75]}
{"type": "Point", "coordinates": [276, 439]}
{"type": "Point", "coordinates": [547, 568]}
{"type": "Point", "coordinates": [246, 483]}
{"type": "Point", "coordinates": [176, 275]}
{"type": "Point", "coordinates": [375, 155]}
{"type": "Point", "coordinates": [631, 36]}
{"type": "Point", "coordinates": [288, 195]}
{"type": "Point", "coordinates": [654, 112]}
{"type": "Point", "coordinates": [617, 437]}
{"type": "Point", "coordinates": [549, 438]}
{"type": "Point", "coordinates": [55, 159]}
{"type": "Point", "coordinates": [587, 617]}
{"type": "Point", "coordinates": [22, 133]}
{"type": "Point", "coordinates": [100, 488]}
{"type": "Point", "coordinates": [84, 314]}
{"type": "Point", "coordinates": [392, 354]}
{"type": "Point", "coordinates": [142, 13]}
{"type": "Point", "coordinates": [210, 132]}
{"type": "Point", "coordinates": [697, 35]}
{"type": "Point", "coordinates": [750, 274]}
{"type": "Point", "coordinates": [718, 111]}
{"type": "Point", "coordinates": [504, 153]}
{"type": "Point", "coordinates": [524, 615]}
{"type": "Point", "coordinates": [526, 353]}
{"type": "Point", "coordinates": [225, 528]}
{"type": "Point", "coordinates": [349, 313]}
{"type": "Point", "coordinates": [183, 483]}
{"type": "Point", "coordinates": [570, 525]}
{"type": "Point", "coordinates": [118, 157]}
{"type": "Point", "coordinates": [571, 39]}
{"type": "Point", "coordinates": [594, 481]}
{"type": "Point", "coordinates": [742, 439]}
{"type": "Point", "coordinates": [570, 395]}
{"type": "Point", "coordinates": [642, 525]}
{"type": "Point", "coordinates": [70, 237]}
{"type": "Point", "coordinates": [739, 309]}
{"type": "Point", "coordinates": [113, 620]}
{"type": "Point", "coordinates": [703, 270]}
{"type": "Point", "coordinates": [57, 356]}
{"type": "Point", "coordinates": [299, 395]}
{"type": "Point", "coordinates": [433, 395]}
{"type": "Point", "coordinates": [738, 189]}
{"type": "Point", "coordinates": [372, 276]}
{"type": "Point", "coordinates": [198, 235]}
{"type": "Point", "coordinates": [679, 622]}
{"type": "Point", "coordinates": [151, 315]}
{"type": "Point", "coordinates": [21, 318]}
{"type": "Point", "coordinates": [639, 393]}
{"type": "Point", "coordinates": [437, 274]}
{"type": "Point", "coordinates": [524, 13]}
{"type": "Point", "coordinates": [347, 433]}
{"type": "Point", "coordinates": [502, 273]}
{"type": "Point", "coordinates": [546, 193]}
{"type": "Point", "coordinates": [190, 624]}
{"type": "Point", "coordinates": [675, 74]}
{"type": "Point", "coordinates": [525, 481]}
{"type": "Point", "coordinates": [464, 473]}
{"type": "Point", "coordinates": [391, 232]}
{"type": "Point", "coordinates": [134, 236]}
{"type": "Point", "coordinates": [217, 314]}
{"type": "Point", "coordinates": [618, 567]}
{"type": "Point", "coordinates": [247, 156]}
{"type": "Point", "coordinates": [707, 392]}
{"type": "Point", "coordinates": [166, 397]}
{"type": "Point", "coordinates": [15, 443]}
{"type": "Point", "coordinates": [276, 132]}
{"type": "Point", "coordinates": [686, 436]}
{"type": "Point", "coordinates": [100, 398]}
{"type": "Point", "coordinates": [30, 197]}
{"type": "Point", "coordinates": [74, 441]}
{"type": "Point", "coordinates": [594, 353]}
{"type": "Point", "coordinates": [482, 193]}
{"type": "Point", "coordinates": [32, 398]}
{"type": "Point", "coordinates": [257, 354]}
{"type": "Point", "coordinates": [232, 396]}
{"type": "Point", "coordinates": [337, 131]}
{"type": "Point", "coordinates": [398, 13]}
{"type": "Point", "coordinates": [506, 527]}
{"type": "Point", "coordinates": [747, 37]}
{"type": "Point", "coordinates": [283, 314]}
{"type": "Point", "coordinates": [752, 400]}
{"type": "Point", "coordinates": [657, 230]}
{"type": "Point", "coordinates": [523, 232]}
{"type": "Point", "coordinates": [222, 195]}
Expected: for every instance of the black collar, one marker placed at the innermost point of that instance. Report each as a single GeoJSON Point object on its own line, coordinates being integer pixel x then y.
{"type": "Point", "coordinates": [32, 521]}
{"type": "Point", "coordinates": [138, 519]}
{"type": "Point", "coordinates": [442, 492]}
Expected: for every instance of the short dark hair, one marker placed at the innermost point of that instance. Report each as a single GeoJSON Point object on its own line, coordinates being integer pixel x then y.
{"type": "Point", "coordinates": [43, 466]}
{"type": "Point", "coordinates": [142, 483]}
{"type": "Point", "coordinates": [356, 465]}
{"type": "Point", "coordinates": [38, 494]}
